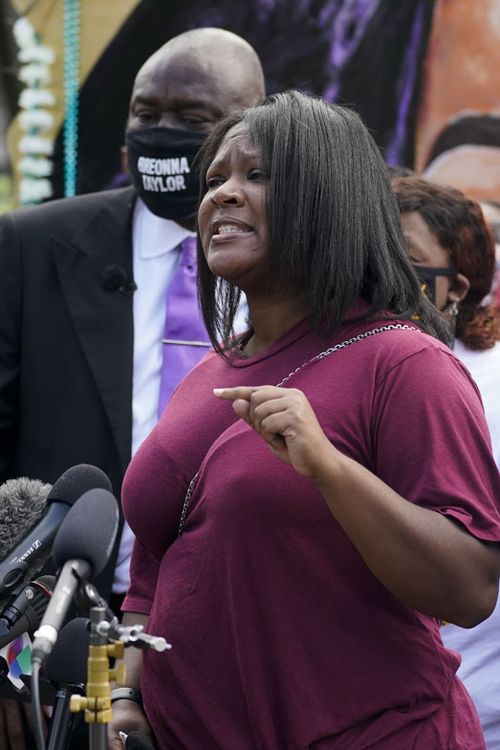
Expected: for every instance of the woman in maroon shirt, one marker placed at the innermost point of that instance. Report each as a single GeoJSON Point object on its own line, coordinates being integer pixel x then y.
{"type": "Point", "coordinates": [320, 492]}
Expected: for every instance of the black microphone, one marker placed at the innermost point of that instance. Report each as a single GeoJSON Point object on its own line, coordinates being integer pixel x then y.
{"type": "Point", "coordinates": [22, 503]}
{"type": "Point", "coordinates": [26, 611]}
{"type": "Point", "coordinates": [81, 549]}
{"type": "Point", "coordinates": [67, 664]}
{"type": "Point", "coordinates": [18, 621]}
{"type": "Point", "coordinates": [114, 278]}
{"type": "Point", "coordinates": [37, 541]}
{"type": "Point", "coordinates": [66, 671]}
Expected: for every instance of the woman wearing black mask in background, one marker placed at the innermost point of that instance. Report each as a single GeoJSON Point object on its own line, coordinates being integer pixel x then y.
{"type": "Point", "coordinates": [453, 251]}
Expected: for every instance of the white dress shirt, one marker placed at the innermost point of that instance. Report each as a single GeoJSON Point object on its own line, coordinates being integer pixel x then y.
{"type": "Point", "coordinates": [155, 251]}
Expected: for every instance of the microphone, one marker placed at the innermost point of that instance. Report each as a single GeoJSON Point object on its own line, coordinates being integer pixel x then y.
{"type": "Point", "coordinates": [15, 641]}
{"type": "Point", "coordinates": [66, 672]}
{"type": "Point", "coordinates": [81, 549]}
{"type": "Point", "coordinates": [22, 503]}
{"type": "Point", "coordinates": [67, 664]}
{"type": "Point", "coordinates": [26, 611]}
{"type": "Point", "coordinates": [36, 543]}
{"type": "Point", "coordinates": [114, 278]}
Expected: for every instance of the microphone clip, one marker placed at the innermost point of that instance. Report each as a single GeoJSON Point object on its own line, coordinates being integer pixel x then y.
{"type": "Point", "coordinates": [114, 278]}
{"type": "Point", "coordinates": [132, 635]}
{"type": "Point", "coordinates": [88, 596]}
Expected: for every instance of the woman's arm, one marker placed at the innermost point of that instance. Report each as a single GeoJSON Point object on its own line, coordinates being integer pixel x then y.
{"type": "Point", "coordinates": [425, 559]}
{"type": "Point", "coordinates": [127, 715]}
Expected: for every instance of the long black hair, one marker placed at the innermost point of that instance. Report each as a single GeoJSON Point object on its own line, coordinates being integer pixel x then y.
{"type": "Point", "coordinates": [333, 222]}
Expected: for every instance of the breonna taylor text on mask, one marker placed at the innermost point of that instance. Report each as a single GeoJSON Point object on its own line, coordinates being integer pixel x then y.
{"type": "Point", "coordinates": [162, 166]}
{"type": "Point", "coordinates": [163, 175]}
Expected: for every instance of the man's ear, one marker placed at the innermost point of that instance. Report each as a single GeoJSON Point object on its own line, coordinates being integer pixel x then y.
{"type": "Point", "coordinates": [459, 286]}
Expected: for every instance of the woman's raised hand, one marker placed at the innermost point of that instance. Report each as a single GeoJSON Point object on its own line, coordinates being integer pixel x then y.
{"type": "Point", "coordinates": [286, 421]}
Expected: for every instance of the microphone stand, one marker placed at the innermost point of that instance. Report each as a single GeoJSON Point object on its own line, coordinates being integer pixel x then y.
{"type": "Point", "coordinates": [60, 724]}
{"type": "Point", "coordinates": [96, 704]}
{"type": "Point", "coordinates": [108, 639]}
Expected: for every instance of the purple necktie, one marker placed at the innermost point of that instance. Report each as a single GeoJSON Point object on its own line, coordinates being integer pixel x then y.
{"type": "Point", "coordinates": [185, 340]}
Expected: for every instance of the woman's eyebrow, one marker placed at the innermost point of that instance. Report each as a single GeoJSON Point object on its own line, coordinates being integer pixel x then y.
{"type": "Point", "coordinates": [246, 152]}
{"type": "Point", "coordinates": [220, 161]}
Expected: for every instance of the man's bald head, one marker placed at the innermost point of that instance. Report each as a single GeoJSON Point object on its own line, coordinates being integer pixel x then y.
{"type": "Point", "coordinates": [195, 79]}
{"type": "Point", "coordinates": [232, 59]}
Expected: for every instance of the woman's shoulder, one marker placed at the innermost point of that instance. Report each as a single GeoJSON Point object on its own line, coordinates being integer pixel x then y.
{"type": "Point", "coordinates": [393, 338]}
{"type": "Point", "coordinates": [399, 348]}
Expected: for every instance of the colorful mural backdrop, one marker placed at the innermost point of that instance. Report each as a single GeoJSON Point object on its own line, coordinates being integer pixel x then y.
{"type": "Point", "coordinates": [424, 74]}
{"type": "Point", "coordinates": [458, 126]}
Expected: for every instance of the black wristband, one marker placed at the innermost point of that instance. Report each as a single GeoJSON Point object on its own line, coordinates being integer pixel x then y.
{"type": "Point", "coordinates": [126, 693]}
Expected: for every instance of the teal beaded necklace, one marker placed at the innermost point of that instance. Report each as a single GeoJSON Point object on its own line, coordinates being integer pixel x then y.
{"type": "Point", "coordinates": [71, 21]}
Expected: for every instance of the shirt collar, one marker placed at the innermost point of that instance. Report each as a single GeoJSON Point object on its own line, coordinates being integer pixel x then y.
{"type": "Point", "coordinates": [156, 236]}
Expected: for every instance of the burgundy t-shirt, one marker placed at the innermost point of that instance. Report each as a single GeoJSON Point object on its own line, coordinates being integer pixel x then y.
{"type": "Point", "coordinates": [282, 637]}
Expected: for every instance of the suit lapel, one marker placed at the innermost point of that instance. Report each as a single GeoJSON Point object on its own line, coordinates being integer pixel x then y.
{"type": "Point", "coordinates": [103, 320]}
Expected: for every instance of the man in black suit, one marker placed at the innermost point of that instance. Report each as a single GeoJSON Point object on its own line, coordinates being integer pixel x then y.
{"type": "Point", "coordinates": [84, 284]}
{"type": "Point", "coordinates": [83, 280]}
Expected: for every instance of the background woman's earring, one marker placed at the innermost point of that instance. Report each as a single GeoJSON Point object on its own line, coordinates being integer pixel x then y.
{"type": "Point", "coordinates": [453, 309]}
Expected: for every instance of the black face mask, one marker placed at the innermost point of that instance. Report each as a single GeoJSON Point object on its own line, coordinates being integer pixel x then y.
{"type": "Point", "coordinates": [160, 161]}
{"type": "Point", "coordinates": [427, 277]}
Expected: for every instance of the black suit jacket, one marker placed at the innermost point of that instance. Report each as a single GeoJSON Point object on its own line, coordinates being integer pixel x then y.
{"type": "Point", "coordinates": [66, 344]}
